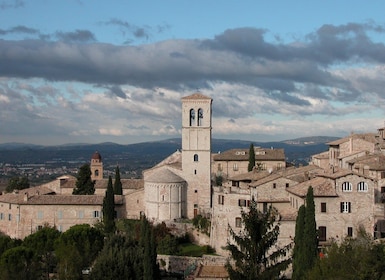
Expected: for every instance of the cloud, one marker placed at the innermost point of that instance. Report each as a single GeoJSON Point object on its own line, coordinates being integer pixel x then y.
{"type": "Point", "coordinates": [4, 5]}
{"type": "Point", "coordinates": [258, 86]}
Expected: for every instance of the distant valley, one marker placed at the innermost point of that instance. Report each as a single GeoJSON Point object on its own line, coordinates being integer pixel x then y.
{"type": "Point", "coordinates": [134, 158]}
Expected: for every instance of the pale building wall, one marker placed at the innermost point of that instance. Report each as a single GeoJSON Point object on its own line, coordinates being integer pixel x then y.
{"type": "Point", "coordinates": [26, 219]}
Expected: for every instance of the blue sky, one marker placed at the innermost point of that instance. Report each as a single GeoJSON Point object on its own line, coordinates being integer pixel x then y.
{"type": "Point", "coordinates": [97, 71]}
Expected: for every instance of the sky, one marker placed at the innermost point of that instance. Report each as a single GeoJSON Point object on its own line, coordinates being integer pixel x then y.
{"type": "Point", "coordinates": [95, 71]}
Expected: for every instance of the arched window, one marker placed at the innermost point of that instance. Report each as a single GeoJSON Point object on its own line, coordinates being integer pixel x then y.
{"type": "Point", "coordinates": [346, 187]}
{"type": "Point", "coordinates": [195, 157]}
{"type": "Point", "coordinates": [362, 187]}
{"type": "Point", "coordinates": [192, 117]}
{"type": "Point", "coordinates": [96, 172]}
{"type": "Point", "coordinates": [200, 117]}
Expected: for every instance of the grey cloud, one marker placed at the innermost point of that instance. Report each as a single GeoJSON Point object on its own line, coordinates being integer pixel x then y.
{"type": "Point", "coordinates": [136, 31]}
{"type": "Point", "coordinates": [76, 36]}
{"type": "Point", "coordinates": [19, 29]}
{"type": "Point", "coordinates": [11, 4]}
{"type": "Point", "coordinates": [238, 56]}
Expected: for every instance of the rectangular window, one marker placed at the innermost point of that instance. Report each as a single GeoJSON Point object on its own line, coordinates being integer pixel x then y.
{"type": "Point", "coordinates": [60, 215]}
{"type": "Point", "coordinates": [322, 233]}
{"type": "Point", "coordinates": [265, 207]}
{"type": "Point", "coordinates": [9, 217]}
{"type": "Point", "coordinates": [234, 183]}
{"type": "Point", "coordinates": [221, 199]}
{"type": "Point", "coordinates": [235, 167]}
{"type": "Point", "coordinates": [287, 185]}
{"type": "Point", "coordinates": [242, 202]}
{"type": "Point", "coordinates": [346, 207]}
{"type": "Point", "coordinates": [323, 207]}
{"type": "Point", "coordinates": [80, 214]}
{"type": "Point", "coordinates": [40, 215]}
{"type": "Point", "coordinates": [238, 222]}
{"type": "Point", "coordinates": [1, 216]}
{"type": "Point", "coordinates": [96, 214]}
{"type": "Point", "coordinates": [350, 231]}
{"type": "Point", "coordinates": [220, 167]}
{"type": "Point", "coordinates": [274, 185]}
{"type": "Point", "coordinates": [39, 227]}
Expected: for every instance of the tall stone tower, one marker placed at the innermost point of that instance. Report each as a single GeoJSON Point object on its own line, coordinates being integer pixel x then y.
{"type": "Point", "coordinates": [196, 152]}
{"type": "Point", "coordinates": [96, 166]}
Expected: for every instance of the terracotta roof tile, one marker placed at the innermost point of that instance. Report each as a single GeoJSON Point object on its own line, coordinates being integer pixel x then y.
{"type": "Point", "coordinates": [321, 187]}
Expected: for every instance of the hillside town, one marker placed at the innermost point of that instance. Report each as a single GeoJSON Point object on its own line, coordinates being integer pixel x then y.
{"type": "Point", "coordinates": [348, 181]}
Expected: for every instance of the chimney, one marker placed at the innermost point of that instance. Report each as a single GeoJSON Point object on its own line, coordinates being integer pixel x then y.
{"type": "Point", "coordinates": [26, 196]}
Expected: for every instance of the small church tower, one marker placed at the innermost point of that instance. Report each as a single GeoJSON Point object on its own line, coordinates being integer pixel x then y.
{"type": "Point", "coordinates": [96, 166]}
{"type": "Point", "coordinates": [196, 152]}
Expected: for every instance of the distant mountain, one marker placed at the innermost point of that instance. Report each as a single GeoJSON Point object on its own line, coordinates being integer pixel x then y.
{"type": "Point", "coordinates": [145, 155]}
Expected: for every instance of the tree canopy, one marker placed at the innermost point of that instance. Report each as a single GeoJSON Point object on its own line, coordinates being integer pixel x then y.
{"type": "Point", "coordinates": [84, 184]}
{"type": "Point", "coordinates": [251, 158]}
{"type": "Point", "coordinates": [117, 183]}
{"type": "Point", "coordinates": [17, 183]}
{"type": "Point", "coordinates": [253, 251]}
{"type": "Point", "coordinates": [109, 208]}
{"type": "Point", "coordinates": [305, 252]}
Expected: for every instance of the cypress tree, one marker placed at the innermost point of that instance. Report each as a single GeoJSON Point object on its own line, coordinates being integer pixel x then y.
{"type": "Point", "coordinates": [298, 271]}
{"type": "Point", "coordinates": [305, 252]}
{"type": "Point", "coordinates": [84, 184]}
{"type": "Point", "coordinates": [109, 208]}
{"type": "Point", "coordinates": [310, 232]}
{"type": "Point", "coordinates": [251, 158]}
{"type": "Point", "coordinates": [118, 183]}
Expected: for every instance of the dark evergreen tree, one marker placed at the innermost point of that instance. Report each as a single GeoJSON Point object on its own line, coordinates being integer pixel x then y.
{"type": "Point", "coordinates": [254, 253]}
{"type": "Point", "coordinates": [84, 184]}
{"type": "Point", "coordinates": [109, 208]}
{"type": "Point", "coordinates": [19, 263]}
{"type": "Point", "coordinates": [305, 252]}
{"type": "Point", "coordinates": [310, 234]}
{"type": "Point", "coordinates": [147, 242]}
{"type": "Point", "coordinates": [298, 271]}
{"type": "Point", "coordinates": [17, 183]}
{"type": "Point", "coordinates": [42, 242]}
{"type": "Point", "coordinates": [121, 258]}
{"type": "Point", "coordinates": [76, 249]}
{"type": "Point", "coordinates": [118, 183]}
{"type": "Point", "coordinates": [251, 158]}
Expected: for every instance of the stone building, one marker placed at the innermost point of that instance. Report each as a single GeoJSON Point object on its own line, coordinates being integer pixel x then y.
{"type": "Point", "coordinates": [234, 162]}
{"type": "Point", "coordinates": [180, 186]}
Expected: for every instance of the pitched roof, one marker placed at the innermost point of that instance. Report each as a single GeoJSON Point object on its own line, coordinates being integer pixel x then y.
{"type": "Point", "coordinates": [261, 154]}
{"type": "Point", "coordinates": [24, 198]}
{"type": "Point", "coordinates": [196, 95]}
{"type": "Point", "coordinates": [322, 187]}
{"type": "Point", "coordinates": [370, 137]}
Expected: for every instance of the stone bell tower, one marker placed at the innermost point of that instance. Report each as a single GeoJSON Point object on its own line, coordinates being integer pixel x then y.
{"type": "Point", "coordinates": [196, 152]}
{"type": "Point", "coordinates": [96, 166]}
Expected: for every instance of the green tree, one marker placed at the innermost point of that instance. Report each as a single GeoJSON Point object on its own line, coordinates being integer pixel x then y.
{"type": "Point", "coordinates": [42, 242]}
{"type": "Point", "coordinates": [76, 249]}
{"type": "Point", "coordinates": [17, 183]}
{"type": "Point", "coordinates": [19, 263]}
{"type": "Point", "coordinates": [305, 252]}
{"type": "Point", "coordinates": [109, 208]}
{"type": "Point", "coordinates": [84, 184]}
{"type": "Point", "coordinates": [117, 183]}
{"type": "Point", "coordinates": [147, 242]}
{"type": "Point", "coordinates": [251, 158]}
{"type": "Point", "coordinates": [121, 258]}
{"type": "Point", "coordinates": [354, 258]}
{"type": "Point", "coordinates": [7, 242]}
{"type": "Point", "coordinates": [254, 253]}
{"type": "Point", "coordinates": [298, 271]}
